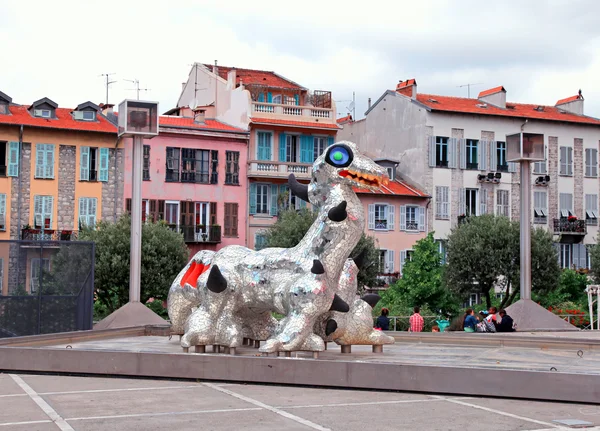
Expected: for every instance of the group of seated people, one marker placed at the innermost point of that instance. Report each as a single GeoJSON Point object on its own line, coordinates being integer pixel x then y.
{"type": "Point", "coordinates": [491, 321]}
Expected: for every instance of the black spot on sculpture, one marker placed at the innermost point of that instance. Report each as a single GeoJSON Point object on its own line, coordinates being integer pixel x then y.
{"type": "Point", "coordinates": [330, 327]}
{"type": "Point", "coordinates": [338, 213]}
{"type": "Point", "coordinates": [216, 282]}
{"type": "Point", "coordinates": [371, 298]}
{"type": "Point", "coordinates": [317, 267]}
{"type": "Point", "coordinates": [298, 189]}
{"type": "Point", "coordinates": [339, 304]}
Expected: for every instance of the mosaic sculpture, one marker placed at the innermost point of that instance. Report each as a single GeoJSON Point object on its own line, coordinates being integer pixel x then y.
{"type": "Point", "coordinates": [221, 298]}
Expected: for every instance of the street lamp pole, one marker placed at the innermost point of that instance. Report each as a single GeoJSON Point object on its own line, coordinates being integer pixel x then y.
{"type": "Point", "coordinates": [136, 219]}
{"type": "Point", "coordinates": [525, 196]}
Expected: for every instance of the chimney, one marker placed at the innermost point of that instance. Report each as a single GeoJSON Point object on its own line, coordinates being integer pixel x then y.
{"type": "Point", "coordinates": [106, 108]}
{"type": "Point", "coordinates": [215, 68]}
{"type": "Point", "coordinates": [573, 104]}
{"type": "Point", "coordinates": [369, 103]}
{"type": "Point", "coordinates": [407, 88]}
{"type": "Point", "coordinates": [199, 116]}
{"type": "Point", "coordinates": [231, 78]}
{"type": "Point", "coordinates": [494, 96]}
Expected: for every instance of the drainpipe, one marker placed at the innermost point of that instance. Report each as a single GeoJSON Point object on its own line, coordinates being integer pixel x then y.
{"type": "Point", "coordinates": [116, 181]}
{"type": "Point", "coordinates": [427, 212]}
{"type": "Point", "coordinates": [20, 170]}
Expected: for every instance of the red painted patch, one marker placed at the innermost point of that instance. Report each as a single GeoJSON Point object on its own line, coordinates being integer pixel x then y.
{"type": "Point", "coordinates": [187, 273]}
{"type": "Point", "coordinates": [344, 173]}
{"type": "Point", "coordinates": [191, 277]}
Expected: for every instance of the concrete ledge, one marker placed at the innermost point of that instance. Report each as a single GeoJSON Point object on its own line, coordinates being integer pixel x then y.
{"type": "Point", "coordinates": [552, 386]}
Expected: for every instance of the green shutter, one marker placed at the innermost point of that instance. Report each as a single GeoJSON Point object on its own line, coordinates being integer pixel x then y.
{"type": "Point", "coordinates": [274, 194]}
{"type": "Point", "coordinates": [84, 164]}
{"type": "Point", "coordinates": [253, 198]}
{"type": "Point", "coordinates": [103, 176]}
{"type": "Point", "coordinates": [297, 99]}
{"type": "Point", "coordinates": [301, 203]}
{"type": "Point", "coordinates": [49, 163]}
{"type": "Point", "coordinates": [269, 97]}
{"type": "Point", "coordinates": [307, 148]}
{"type": "Point", "coordinates": [264, 146]}
{"type": "Point", "coordinates": [330, 141]}
{"type": "Point", "coordinates": [40, 160]}
{"type": "Point", "coordinates": [82, 212]}
{"type": "Point", "coordinates": [13, 159]}
{"type": "Point", "coordinates": [48, 204]}
{"type": "Point", "coordinates": [282, 147]}
{"type": "Point", "coordinates": [38, 209]}
{"type": "Point", "coordinates": [92, 211]}
{"type": "Point", "coordinates": [261, 97]}
{"type": "Point", "coordinates": [2, 212]}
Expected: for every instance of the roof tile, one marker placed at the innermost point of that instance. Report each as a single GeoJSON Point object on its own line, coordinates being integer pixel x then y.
{"type": "Point", "coordinates": [314, 125]}
{"type": "Point", "coordinates": [491, 91]}
{"type": "Point", "coordinates": [396, 188]}
{"type": "Point", "coordinates": [568, 99]}
{"type": "Point", "coordinates": [188, 122]}
{"type": "Point", "coordinates": [64, 120]}
{"type": "Point", "coordinates": [257, 77]}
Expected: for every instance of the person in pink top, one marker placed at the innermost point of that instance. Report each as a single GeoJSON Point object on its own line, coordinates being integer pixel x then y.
{"type": "Point", "coordinates": [416, 321]}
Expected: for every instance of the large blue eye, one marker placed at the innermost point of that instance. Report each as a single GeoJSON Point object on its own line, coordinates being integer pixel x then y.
{"type": "Point", "coordinates": [339, 156]}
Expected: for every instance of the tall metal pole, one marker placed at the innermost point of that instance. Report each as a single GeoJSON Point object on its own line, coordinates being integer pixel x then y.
{"type": "Point", "coordinates": [136, 220]}
{"type": "Point", "coordinates": [525, 229]}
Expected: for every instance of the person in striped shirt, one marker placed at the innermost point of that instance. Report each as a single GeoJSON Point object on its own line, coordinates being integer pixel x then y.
{"type": "Point", "coordinates": [416, 321]}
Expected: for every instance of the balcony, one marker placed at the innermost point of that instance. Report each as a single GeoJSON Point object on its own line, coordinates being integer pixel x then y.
{"type": "Point", "coordinates": [48, 235]}
{"type": "Point", "coordinates": [570, 229]}
{"type": "Point", "coordinates": [292, 112]}
{"type": "Point", "coordinates": [207, 234]}
{"type": "Point", "coordinates": [268, 169]}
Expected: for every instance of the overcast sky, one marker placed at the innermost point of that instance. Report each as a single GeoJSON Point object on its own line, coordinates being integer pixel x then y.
{"type": "Point", "coordinates": [541, 51]}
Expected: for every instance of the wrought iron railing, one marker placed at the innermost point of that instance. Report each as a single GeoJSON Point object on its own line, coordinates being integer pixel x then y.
{"type": "Point", "coordinates": [199, 233]}
{"type": "Point", "coordinates": [564, 225]}
{"type": "Point", "coordinates": [48, 235]}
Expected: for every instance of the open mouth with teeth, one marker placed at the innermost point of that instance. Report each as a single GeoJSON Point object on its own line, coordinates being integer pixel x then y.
{"type": "Point", "coordinates": [364, 179]}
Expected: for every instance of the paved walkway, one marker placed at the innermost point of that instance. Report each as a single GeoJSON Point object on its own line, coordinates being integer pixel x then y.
{"type": "Point", "coordinates": [45, 402]}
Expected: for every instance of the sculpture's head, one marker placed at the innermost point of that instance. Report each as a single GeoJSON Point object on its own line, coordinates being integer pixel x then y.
{"type": "Point", "coordinates": [343, 163]}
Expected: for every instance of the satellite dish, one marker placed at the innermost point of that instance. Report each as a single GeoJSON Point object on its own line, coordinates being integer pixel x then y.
{"type": "Point", "coordinates": [193, 105]}
{"type": "Point", "coordinates": [350, 107]}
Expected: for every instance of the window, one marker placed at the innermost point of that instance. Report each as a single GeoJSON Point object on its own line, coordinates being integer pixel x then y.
{"type": "Point", "coordinates": [260, 241]}
{"type": "Point", "coordinates": [44, 161]}
{"type": "Point", "coordinates": [43, 113]}
{"type": "Point", "coordinates": [152, 210]}
{"type": "Point", "coordinates": [405, 256]}
{"type": "Point", "coordinates": [87, 212]}
{"type": "Point", "coordinates": [386, 262]}
{"type": "Point", "coordinates": [566, 204]}
{"type": "Point", "coordinates": [201, 166]}
{"type": "Point", "coordinates": [391, 173]}
{"type": "Point", "coordinates": [499, 296]}
{"type": "Point", "coordinates": [232, 167]}
{"type": "Point", "coordinates": [381, 216]}
{"type": "Point", "coordinates": [566, 161]}
{"type": "Point", "coordinates": [412, 218]}
{"type": "Point", "coordinates": [591, 209]}
{"type": "Point", "coordinates": [231, 219]}
{"type": "Point", "coordinates": [441, 152]}
{"type": "Point", "coordinates": [502, 208]}
{"type": "Point", "coordinates": [2, 212]}
{"type": "Point", "coordinates": [319, 147]}
{"type": "Point", "coordinates": [93, 164]}
{"type": "Point", "coordinates": [540, 207]}
{"type": "Point", "coordinates": [84, 115]}
{"type": "Point", "coordinates": [146, 169]}
{"type": "Point", "coordinates": [36, 271]}
{"type": "Point", "coordinates": [474, 299]}
{"type": "Point", "coordinates": [263, 149]}
{"type": "Point", "coordinates": [42, 212]}
{"type": "Point", "coordinates": [3, 157]}
{"type": "Point", "coordinates": [188, 165]}
{"type": "Point", "coordinates": [287, 200]}
{"type": "Point", "coordinates": [172, 164]}
{"type": "Point", "coordinates": [172, 214]}
{"type": "Point", "coordinates": [573, 256]}
{"type": "Point", "coordinates": [540, 167]}
{"type": "Point", "coordinates": [291, 148]}
{"type": "Point", "coordinates": [443, 250]}
{"type": "Point", "coordinates": [472, 159]}
{"type": "Point", "coordinates": [4, 109]}
{"type": "Point", "coordinates": [591, 162]}
{"type": "Point", "coordinates": [276, 99]}
{"type": "Point", "coordinates": [442, 202]}
{"type": "Point", "coordinates": [262, 199]}
{"type": "Point", "coordinates": [470, 202]}
{"type": "Point", "coordinates": [501, 164]}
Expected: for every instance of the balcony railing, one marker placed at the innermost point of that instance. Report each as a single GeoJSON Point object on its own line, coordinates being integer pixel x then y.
{"type": "Point", "coordinates": [279, 169]}
{"type": "Point", "coordinates": [571, 227]}
{"type": "Point", "coordinates": [208, 234]}
{"type": "Point", "coordinates": [276, 110]}
{"type": "Point", "coordinates": [48, 235]}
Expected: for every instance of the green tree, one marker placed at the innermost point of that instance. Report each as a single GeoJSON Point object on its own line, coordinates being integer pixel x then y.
{"type": "Point", "coordinates": [421, 283]}
{"type": "Point", "coordinates": [292, 225]}
{"type": "Point", "coordinates": [164, 254]}
{"type": "Point", "coordinates": [483, 252]}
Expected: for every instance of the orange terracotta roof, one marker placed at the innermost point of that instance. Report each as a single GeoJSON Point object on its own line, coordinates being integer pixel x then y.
{"type": "Point", "coordinates": [344, 119]}
{"type": "Point", "coordinates": [313, 125]}
{"type": "Point", "coordinates": [256, 77]}
{"type": "Point", "coordinates": [397, 188]}
{"type": "Point", "coordinates": [491, 91]}
{"type": "Point", "coordinates": [519, 110]}
{"type": "Point", "coordinates": [568, 99]}
{"type": "Point", "coordinates": [188, 122]}
{"type": "Point", "coordinates": [64, 120]}
{"type": "Point", "coordinates": [406, 83]}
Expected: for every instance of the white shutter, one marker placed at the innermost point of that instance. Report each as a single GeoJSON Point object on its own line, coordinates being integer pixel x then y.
{"type": "Point", "coordinates": [402, 260]}
{"type": "Point", "coordinates": [432, 151]}
{"type": "Point", "coordinates": [48, 204]}
{"type": "Point", "coordinates": [462, 209]}
{"type": "Point", "coordinates": [39, 160]}
{"type": "Point", "coordinates": [594, 163]}
{"type": "Point", "coordinates": [483, 193]}
{"type": "Point", "coordinates": [483, 155]}
{"type": "Point", "coordinates": [371, 216]}
{"type": "Point", "coordinates": [512, 167]}
{"type": "Point", "coordinates": [2, 214]}
{"type": "Point", "coordinates": [563, 161]}
{"type": "Point", "coordinates": [38, 208]}
{"type": "Point", "coordinates": [82, 211]}
{"type": "Point", "coordinates": [446, 202]}
{"type": "Point", "coordinates": [422, 219]}
{"type": "Point", "coordinates": [570, 161]}
{"type": "Point", "coordinates": [49, 172]}
{"type": "Point", "coordinates": [84, 163]}
{"type": "Point", "coordinates": [452, 153]}
{"type": "Point", "coordinates": [402, 217]}
{"type": "Point", "coordinates": [389, 261]}
{"type": "Point", "coordinates": [92, 212]}
{"type": "Point", "coordinates": [463, 154]}
{"type": "Point", "coordinates": [391, 209]}
{"type": "Point", "coordinates": [493, 156]}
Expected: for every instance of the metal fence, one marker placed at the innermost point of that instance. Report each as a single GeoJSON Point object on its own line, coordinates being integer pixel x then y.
{"type": "Point", "coordinates": [45, 287]}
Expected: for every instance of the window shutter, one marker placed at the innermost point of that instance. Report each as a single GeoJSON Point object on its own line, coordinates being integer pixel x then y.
{"type": "Point", "coordinates": [253, 198]}
{"type": "Point", "coordinates": [493, 155]}
{"type": "Point", "coordinates": [512, 167]}
{"type": "Point", "coordinates": [37, 211]}
{"type": "Point", "coordinates": [422, 219]}
{"type": "Point", "coordinates": [49, 172]}
{"type": "Point", "coordinates": [274, 189]}
{"type": "Point", "coordinates": [483, 155]}
{"type": "Point", "coordinates": [296, 99]}
{"type": "Point", "coordinates": [452, 153]}
{"type": "Point", "coordinates": [261, 97]}
{"type": "Point", "coordinates": [330, 141]}
{"type": "Point", "coordinates": [371, 225]}
{"type": "Point", "coordinates": [462, 206]}
{"type": "Point", "coordinates": [402, 217]}
{"type": "Point", "coordinates": [432, 151]}
{"type": "Point", "coordinates": [307, 149]}
{"type": "Point", "coordinates": [391, 216]}
{"type": "Point", "coordinates": [84, 163]}
{"type": "Point", "coordinates": [2, 215]}
{"type": "Point", "coordinates": [234, 219]}
{"type": "Point", "coordinates": [40, 166]}
{"type": "Point", "coordinates": [463, 154]}
{"type": "Point", "coordinates": [103, 175]}
{"type": "Point", "coordinates": [563, 161]}
{"type": "Point", "coordinates": [13, 159]}
{"type": "Point", "coordinates": [402, 260]}
{"type": "Point", "coordinates": [483, 201]}
{"type": "Point", "coordinates": [570, 161]}
{"type": "Point", "coordinates": [282, 147]}
{"type": "Point", "coordinates": [128, 205]}
{"type": "Point", "coordinates": [48, 204]}
{"type": "Point", "coordinates": [446, 202]}
{"type": "Point", "coordinates": [92, 211]}
{"type": "Point", "coordinates": [269, 97]}
{"type": "Point", "coordinates": [161, 210]}
{"type": "Point", "coordinates": [594, 163]}
{"type": "Point", "coordinates": [82, 212]}
{"type": "Point", "coordinates": [213, 214]}
{"type": "Point", "coordinates": [301, 204]}
{"type": "Point", "coordinates": [389, 257]}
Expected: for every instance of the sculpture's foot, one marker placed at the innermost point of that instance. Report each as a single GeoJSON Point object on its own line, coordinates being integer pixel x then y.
{"type": "Point", "coordinates": [313, 343]}
{"type": "Point", "coordinates": [271, 346]}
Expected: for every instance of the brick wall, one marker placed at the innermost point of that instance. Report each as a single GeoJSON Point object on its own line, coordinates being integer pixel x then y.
{"type": "Point", "coordinates": [578, 161]}
{"type": "Point", "coordinates": [552, 164]}
{"type": "Point", "coordinates": [457, 181]}
{"type": "Point", "coordinates": [66, 187]}
{"type": "Point", "coordinates": [491, 188]}
{"type": "Point", "coordinates": [112, 190]}
{"type": "Point", "coordinates": [25, 176]}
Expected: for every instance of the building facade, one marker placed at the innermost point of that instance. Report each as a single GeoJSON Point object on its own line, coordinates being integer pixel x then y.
{"type": "Point", "coordinates": [59, 169]}
{"type": "Point", "coordinates": [289, 127]}
{"type": "Point", "coordinates": [455, 149]}
{"type": "Point", "coordinates": [194, 178]}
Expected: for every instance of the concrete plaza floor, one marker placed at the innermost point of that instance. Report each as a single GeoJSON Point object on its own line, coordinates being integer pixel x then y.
{"type": "Point", "coordinates": [49, 402]}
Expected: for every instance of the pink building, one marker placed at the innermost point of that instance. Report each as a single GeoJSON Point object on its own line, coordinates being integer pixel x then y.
{"type": "Point", "coordinates": [195, 179]}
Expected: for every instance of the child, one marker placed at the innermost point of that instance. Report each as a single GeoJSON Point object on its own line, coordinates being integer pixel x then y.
{"type": "Point", "coordinates": [435, 328]}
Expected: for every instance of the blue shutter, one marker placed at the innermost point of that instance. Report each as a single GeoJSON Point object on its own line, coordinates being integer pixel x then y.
{"type": "Point", "coordinates": [13, 159]}
{"type": "Point", "coordinates": [82, 212]}
{"type": "Point", "coordinates": [264, 146]}
{"type": "Point", "coordinates": [103, 176]}
{"type": "Point", "coordinates": [84, 164]}
{"type": "Point", "coordinates": [274, 194]}
{"type": "Point", "coordinates": [297, 99]}
{"type": "Point", "coordinates": [253, 198]}
{"type": "Point", "coordinates": [49, 161]}
{"type": "Point", "coordinates": [330, 141]}
{"type": "Point", "coordinates": [282, 147]}
{"type": "Point", "coordinates": [307, 148]}
{"type": "Point", "coordinates": [92, 203]}
{"type": "Point", "coordinates": [301, 203]}
{"type": "Point", "coordinates": [40, 160]}
{"type": "Point", "coordinates": [261, 97]}
{"type": "Point", "coordinates": [269, 97]}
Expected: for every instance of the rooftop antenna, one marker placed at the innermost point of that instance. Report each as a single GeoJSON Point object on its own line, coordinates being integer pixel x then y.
{"type": "Point", "coordinates": [137, 88]}
{"type": "Point", "coordinates": [469, 87]}
{"type": "Point", "coordinates": [107, 83]}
